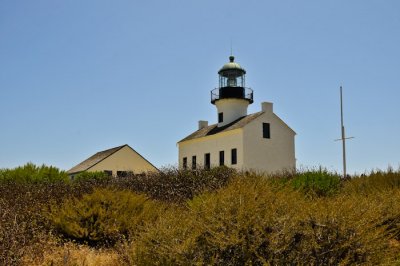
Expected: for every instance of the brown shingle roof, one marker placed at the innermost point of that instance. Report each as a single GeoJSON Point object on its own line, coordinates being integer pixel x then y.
{"type": "Point", "coordinates": [95, 159]}
{"type": "Point", "coordinates": [214, 129]}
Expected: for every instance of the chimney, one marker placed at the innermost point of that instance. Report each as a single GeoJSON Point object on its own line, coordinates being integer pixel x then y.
{"type": "Point", "coordinates": [266, 107]}
{"type": "Point", "coordinates": [203, 124]}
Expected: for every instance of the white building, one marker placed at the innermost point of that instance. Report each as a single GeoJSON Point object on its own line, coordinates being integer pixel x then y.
{"type": "Point", "coordinates": [259, 141]}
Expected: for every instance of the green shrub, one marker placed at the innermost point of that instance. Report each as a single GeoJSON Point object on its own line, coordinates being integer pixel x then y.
{"type": "Point", "coordinates": [318, 183]}
{"type": "Point", "coordinates": [32, 173]}
{"type": "Point", "coordinates": [104, 216]}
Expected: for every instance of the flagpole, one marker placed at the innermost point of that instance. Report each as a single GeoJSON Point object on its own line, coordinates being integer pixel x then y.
{"type": "Point", "coordinates": [343, 134]}
{"type": "Point", "coordinates": [343, 138]}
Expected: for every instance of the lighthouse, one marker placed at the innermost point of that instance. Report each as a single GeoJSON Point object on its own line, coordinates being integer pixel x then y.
{"type": "Point", "coordinates": [259, 142]}
{"type": "Point", "coordinates": [232, 97]}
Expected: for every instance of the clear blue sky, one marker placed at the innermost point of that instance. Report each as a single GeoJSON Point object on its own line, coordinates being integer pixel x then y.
{"type": "Point", "coordinates": [77, 77]}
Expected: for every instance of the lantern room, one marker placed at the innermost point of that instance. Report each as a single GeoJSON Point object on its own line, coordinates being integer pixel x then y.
{"type": "Point", "coordinates": [232, 83]}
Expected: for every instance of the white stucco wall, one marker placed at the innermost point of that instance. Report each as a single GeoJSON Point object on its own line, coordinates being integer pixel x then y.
{"type": "Point", "coordinates": [232, 109]}
{"type": "Point", "coordinates": [269, 155]}
{"type": "Point", "coordinates": [253, 151]}
{"type": "Point", "coordinates": [124, 159]}
{"type": "Point", "coordinates": [213, 144]}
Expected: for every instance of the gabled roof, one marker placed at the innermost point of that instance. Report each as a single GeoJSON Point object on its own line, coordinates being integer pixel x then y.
{"type": "Point", "coordinates": [93, 160]}
{"type": "Point", "coordinates": [98, 157]}
{"type": "Point", "coordinates": [214, 129]}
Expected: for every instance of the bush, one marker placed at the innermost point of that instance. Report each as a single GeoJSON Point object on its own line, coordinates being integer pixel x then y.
{"type": "Point", "coordinates": [32, 173]}
{"type": "Point", "coordinates": [215, 217]}
{"type": "Point", "coordinates": [166, 242]}
{"type": "Point", "coordinates": [23, 228]}
{"type": "Point", "coordinates": [317, 183]}
{"type": "Point", "coordinates": [103, 217]}
{"type": "Point", "coordinates": [177, 185]}
{"type": "Point", "coordinates": [84, 176]}
{"type": "Point", "coordinates": [374, 182]}
{"type": "Point", "coordinates": [251, 222]}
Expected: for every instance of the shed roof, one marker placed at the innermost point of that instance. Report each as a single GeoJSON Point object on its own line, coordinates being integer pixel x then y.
{"type": "Point", "coordinates": [94, 159]}
{"type": "Point", "coordinates": [214, 129]}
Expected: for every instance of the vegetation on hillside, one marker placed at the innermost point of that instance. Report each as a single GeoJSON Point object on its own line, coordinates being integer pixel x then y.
{"type": "Point", "coordinates": [202, 217]}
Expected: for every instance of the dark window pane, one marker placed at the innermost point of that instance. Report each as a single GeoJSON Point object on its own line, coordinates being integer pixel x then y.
{"type": "Point", "coordinates": [194, 162]}
{"type": "Point", "coordinates": [234, 156]}
{"type": "Point", "coordinates": [184, 163]}
{"type": "Point", "coordinates": [207, 161]}
{"type": "Point", "coordinates": [266, 131]}
{"type": "Point", "coordinates": [122, 173]}
{"type": "Point", "coordinates": [221, 158]}
{"type": "Point", "coordinates": [220, 117]}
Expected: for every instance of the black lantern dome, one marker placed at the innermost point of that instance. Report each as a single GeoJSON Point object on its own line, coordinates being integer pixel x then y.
{"type": "Point", "coordinates": [232, 83]}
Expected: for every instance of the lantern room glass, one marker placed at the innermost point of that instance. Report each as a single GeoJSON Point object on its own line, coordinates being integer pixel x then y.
{"type": "Point", "coordinates": [232, 81]}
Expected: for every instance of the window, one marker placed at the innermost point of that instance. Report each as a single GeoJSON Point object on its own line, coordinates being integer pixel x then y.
{"type": "Point", "coordinates": [194, 162]}
{"type": "Point", "coordinates": [108, 172]}
{"type": "Point", "coordinates": [122, 173]}
{"type": "Point", "coordinates": [220, 117]}
{"type": "Point", "coordinates": [234, 156]}
{"type": "Point", "coordinates": [184, 163]}
{"type": "Point", "coordinates": [266, 131]}
{"type": "Point", "coordinates": [207, 162]}
{"type": "Point", "coordinates": [232, 82]}
{"type": "Point", "coordinates": [221, 158]}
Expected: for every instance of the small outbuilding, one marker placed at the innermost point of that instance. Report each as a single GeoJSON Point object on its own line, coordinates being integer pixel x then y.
{"type": "Point", "coordinates": [119, 161]}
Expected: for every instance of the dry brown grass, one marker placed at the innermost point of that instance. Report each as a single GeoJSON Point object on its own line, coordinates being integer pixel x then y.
{"type": "Point", "coordinates": [71, 254]}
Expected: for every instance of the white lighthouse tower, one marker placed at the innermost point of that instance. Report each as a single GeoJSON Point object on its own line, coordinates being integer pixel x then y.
{"type": "Point", "coordinates": [231, 97]}
{"type": "Point", "coordinates": [260, 141]}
